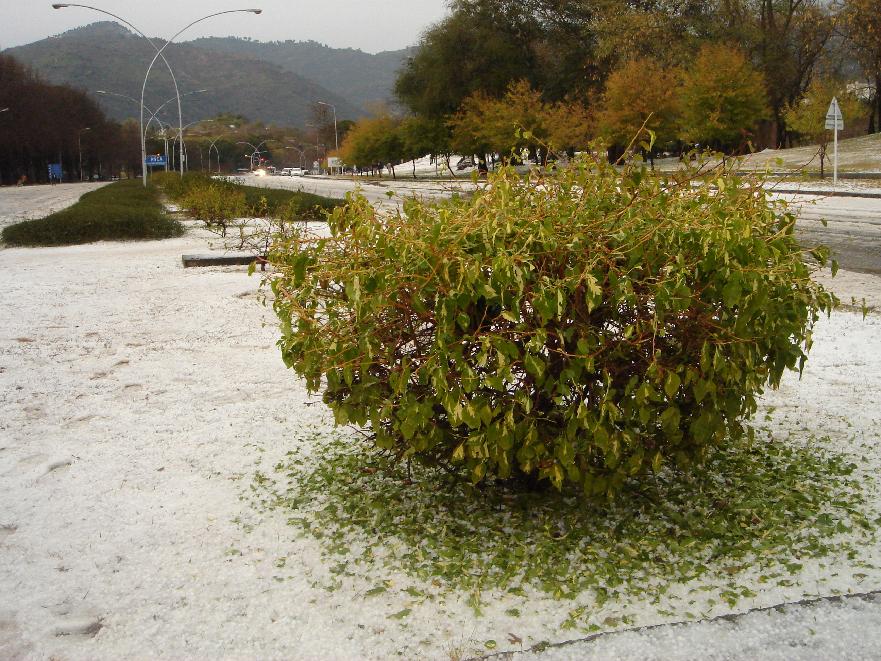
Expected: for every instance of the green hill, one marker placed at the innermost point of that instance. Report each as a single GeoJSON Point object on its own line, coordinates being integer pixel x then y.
{"type": "Point", "coordinates": [360, 77]}
{"type": "Point", "coordinates": [106, 56]}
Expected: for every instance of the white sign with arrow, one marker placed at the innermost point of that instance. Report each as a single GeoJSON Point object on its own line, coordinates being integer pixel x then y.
{"type": "Point", "coordinates": [835, 122]}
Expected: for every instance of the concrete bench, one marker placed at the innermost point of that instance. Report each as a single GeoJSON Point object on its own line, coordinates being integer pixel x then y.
{"type": "Point", "coordinates": [238, 259]}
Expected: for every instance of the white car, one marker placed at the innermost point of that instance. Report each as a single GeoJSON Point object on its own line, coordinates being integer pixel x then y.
{"type": "Point", "coordinates": [292, 172]}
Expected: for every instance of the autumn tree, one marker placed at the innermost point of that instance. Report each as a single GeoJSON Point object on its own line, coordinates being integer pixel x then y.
{"type": "Point", "coordinates": [807, 117]}
{"type": "Point", "coordinates": [723, 97]}
{"type": "Point", "coordinates": [570, 126]}
{"type": "Point", "coordinates": [641, 92]}
{"type": "Point", "coordinates": [373, 143]}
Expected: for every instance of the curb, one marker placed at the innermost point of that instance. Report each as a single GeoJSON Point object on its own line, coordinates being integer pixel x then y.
{"type": "Point", "coordinates": [731, 617]}
{"type": "Point", "coordinates": [825, 193]}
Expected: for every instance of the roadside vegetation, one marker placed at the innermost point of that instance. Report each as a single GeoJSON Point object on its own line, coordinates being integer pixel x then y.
{"type": "Point", "coordinates": [586, 327]}
{"type": "Point", "coordinates": [555, 382]}
{"type": "Point", "coordinates": [247, 216]}
{"type": "Point", "coordinates": [121, 211]}
{"type": "Point", "coordinates": [731, 77]}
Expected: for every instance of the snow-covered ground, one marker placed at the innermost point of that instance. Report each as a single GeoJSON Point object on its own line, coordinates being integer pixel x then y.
{"type": "Point", "coordinates": [137, 400]}
{"type": "Point", "coordinates": [26, 202]}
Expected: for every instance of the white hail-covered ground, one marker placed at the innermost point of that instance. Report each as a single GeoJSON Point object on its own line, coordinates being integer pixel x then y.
{"type": "Point", "coordinates": [138, 398]}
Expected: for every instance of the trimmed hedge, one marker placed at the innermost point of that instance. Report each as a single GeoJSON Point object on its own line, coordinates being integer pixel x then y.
{"type": "Point", "coordinates": [588, 327]}
{"type": "Point", "coordinates": [123, 210]}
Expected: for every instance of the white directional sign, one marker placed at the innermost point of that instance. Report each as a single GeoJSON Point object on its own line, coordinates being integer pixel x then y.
{"type": "Point", "coordinates": [834, 118]}
{"type": "Point", "coordinates": [834, 121]}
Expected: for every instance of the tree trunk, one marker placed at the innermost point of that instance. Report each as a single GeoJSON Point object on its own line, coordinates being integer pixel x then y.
{"type": "Point", "coordinates": [447, 161]}
{"type": "Point", "coordinates": [878, 101]}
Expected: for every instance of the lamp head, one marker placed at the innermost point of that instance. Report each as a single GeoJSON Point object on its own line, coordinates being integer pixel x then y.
{"type": "Point", "coordinates": [255, 11]}
{"type": "Point", "coordinates": [59, 5]}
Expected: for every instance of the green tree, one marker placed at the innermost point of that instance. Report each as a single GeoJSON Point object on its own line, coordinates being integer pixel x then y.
{"type": "Point", "coordinates": [807, 117]}
{"type": "Point", "coordinates": [475, 49]}
{"type": "Point", "coordinates": [723, 97]}
{"type": "Point", "coordinates": [422, 135]}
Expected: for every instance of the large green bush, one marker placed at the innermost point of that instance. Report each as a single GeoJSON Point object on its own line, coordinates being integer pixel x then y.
{"type": "Point", "coordinates": [589, 326]}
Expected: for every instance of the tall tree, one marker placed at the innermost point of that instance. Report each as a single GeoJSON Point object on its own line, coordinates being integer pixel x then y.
{"type": "Point", "coordinates": [641, 92]}
{"type": "Point", "coordinates": [479, 47]}
{"type": "Point", "coordinates": [785, 38]}
{"type": "Point", "coordinates": [862, 27]}
{"type": "Point", "coordinates": [723, 98]}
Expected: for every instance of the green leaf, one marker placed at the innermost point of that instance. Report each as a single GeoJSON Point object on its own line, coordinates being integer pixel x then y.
{"type": "Point", "coordinates": [671, 384]}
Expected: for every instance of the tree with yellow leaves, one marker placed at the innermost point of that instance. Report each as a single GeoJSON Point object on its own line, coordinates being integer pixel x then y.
{"type": "Point", "coordinates": [807, 117]}
{"type": "Point", "coordinates": [641, 92]}
{"type": "Point", "coordinates": [723, 98]}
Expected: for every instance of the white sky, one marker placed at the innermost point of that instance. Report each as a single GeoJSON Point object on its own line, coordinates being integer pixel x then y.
{"type": "Point", "coordinates": [371, 25]}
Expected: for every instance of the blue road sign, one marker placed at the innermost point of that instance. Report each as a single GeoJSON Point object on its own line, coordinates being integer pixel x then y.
{"type": "Point", "coordinates": [55, 171]}
{"type": "Point", "coordinates": [155, 160]}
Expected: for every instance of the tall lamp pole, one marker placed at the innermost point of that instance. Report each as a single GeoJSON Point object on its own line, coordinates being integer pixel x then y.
{"type": "Point", "coordinates": [336, 133]}
{"type": "Point", "coordinates": [79, 145]}
{"type": "Point", "coordinates": [159, 53]}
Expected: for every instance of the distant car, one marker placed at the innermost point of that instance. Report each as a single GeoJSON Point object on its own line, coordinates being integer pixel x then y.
{"type": "Point", "coordinates": [293, 172]}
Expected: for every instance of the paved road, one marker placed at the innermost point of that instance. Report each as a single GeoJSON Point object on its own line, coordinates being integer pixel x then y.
{"type": "Point", "coordinates": [853, 230]}
{"type": "Point", "coordinates": [377, 192]}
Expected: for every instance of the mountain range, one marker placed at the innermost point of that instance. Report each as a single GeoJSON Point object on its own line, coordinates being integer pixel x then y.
{"type": "Point", "coordinates": [275, 82]}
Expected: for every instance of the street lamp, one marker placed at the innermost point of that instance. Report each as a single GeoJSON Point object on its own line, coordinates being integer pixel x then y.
{"type": "Point", "coordinates": [216, 149]}
{"type": "Point", "coordinates": [153, 113]}
{"type": "Point", "coordinates": [79, 144]}
{"type": "Point", "coordinates": [159, 53]}
{"type": "Point", "coordinates": [256, 149]}
{"type": "Point", "coordinates": [335, 132]}
{"type": "Point", "coordinates": [302, 153]}
{"type": "Point", "coordinates": [184, 128]}
{"type": "Point", "coordinates": [3, 109]}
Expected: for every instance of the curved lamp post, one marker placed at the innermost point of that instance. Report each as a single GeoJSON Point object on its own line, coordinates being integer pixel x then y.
{"type": "Point", "coordinates": [256, 149]}
{"type": "Point", "coordinates": [302, 153]}
{"type": "Point", "coordinates": [212, 146]}
{"type": "Point", "coordinates": [153, 114]}
{"type": "Point", "coordinates": [159, 53]}
{"type": "Point", "coordinates": [180, 135]}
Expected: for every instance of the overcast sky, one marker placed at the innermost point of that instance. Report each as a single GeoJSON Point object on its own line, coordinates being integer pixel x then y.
{"type": "Point", "coordinates": [371, 25]}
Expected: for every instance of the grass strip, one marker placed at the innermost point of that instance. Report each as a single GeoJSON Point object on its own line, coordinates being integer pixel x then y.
{"type": "Point", "coordinates": [121, 211]}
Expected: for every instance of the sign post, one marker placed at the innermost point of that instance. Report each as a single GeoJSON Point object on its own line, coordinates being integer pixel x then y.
{"type": "Point", "coordinates": [153, 161]}
{"type": "Point", "coordinates": [834, 121]}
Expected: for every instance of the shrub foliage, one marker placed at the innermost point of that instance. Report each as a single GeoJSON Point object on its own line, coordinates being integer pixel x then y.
{"type": "Point", "coordinates": [589, 326]}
